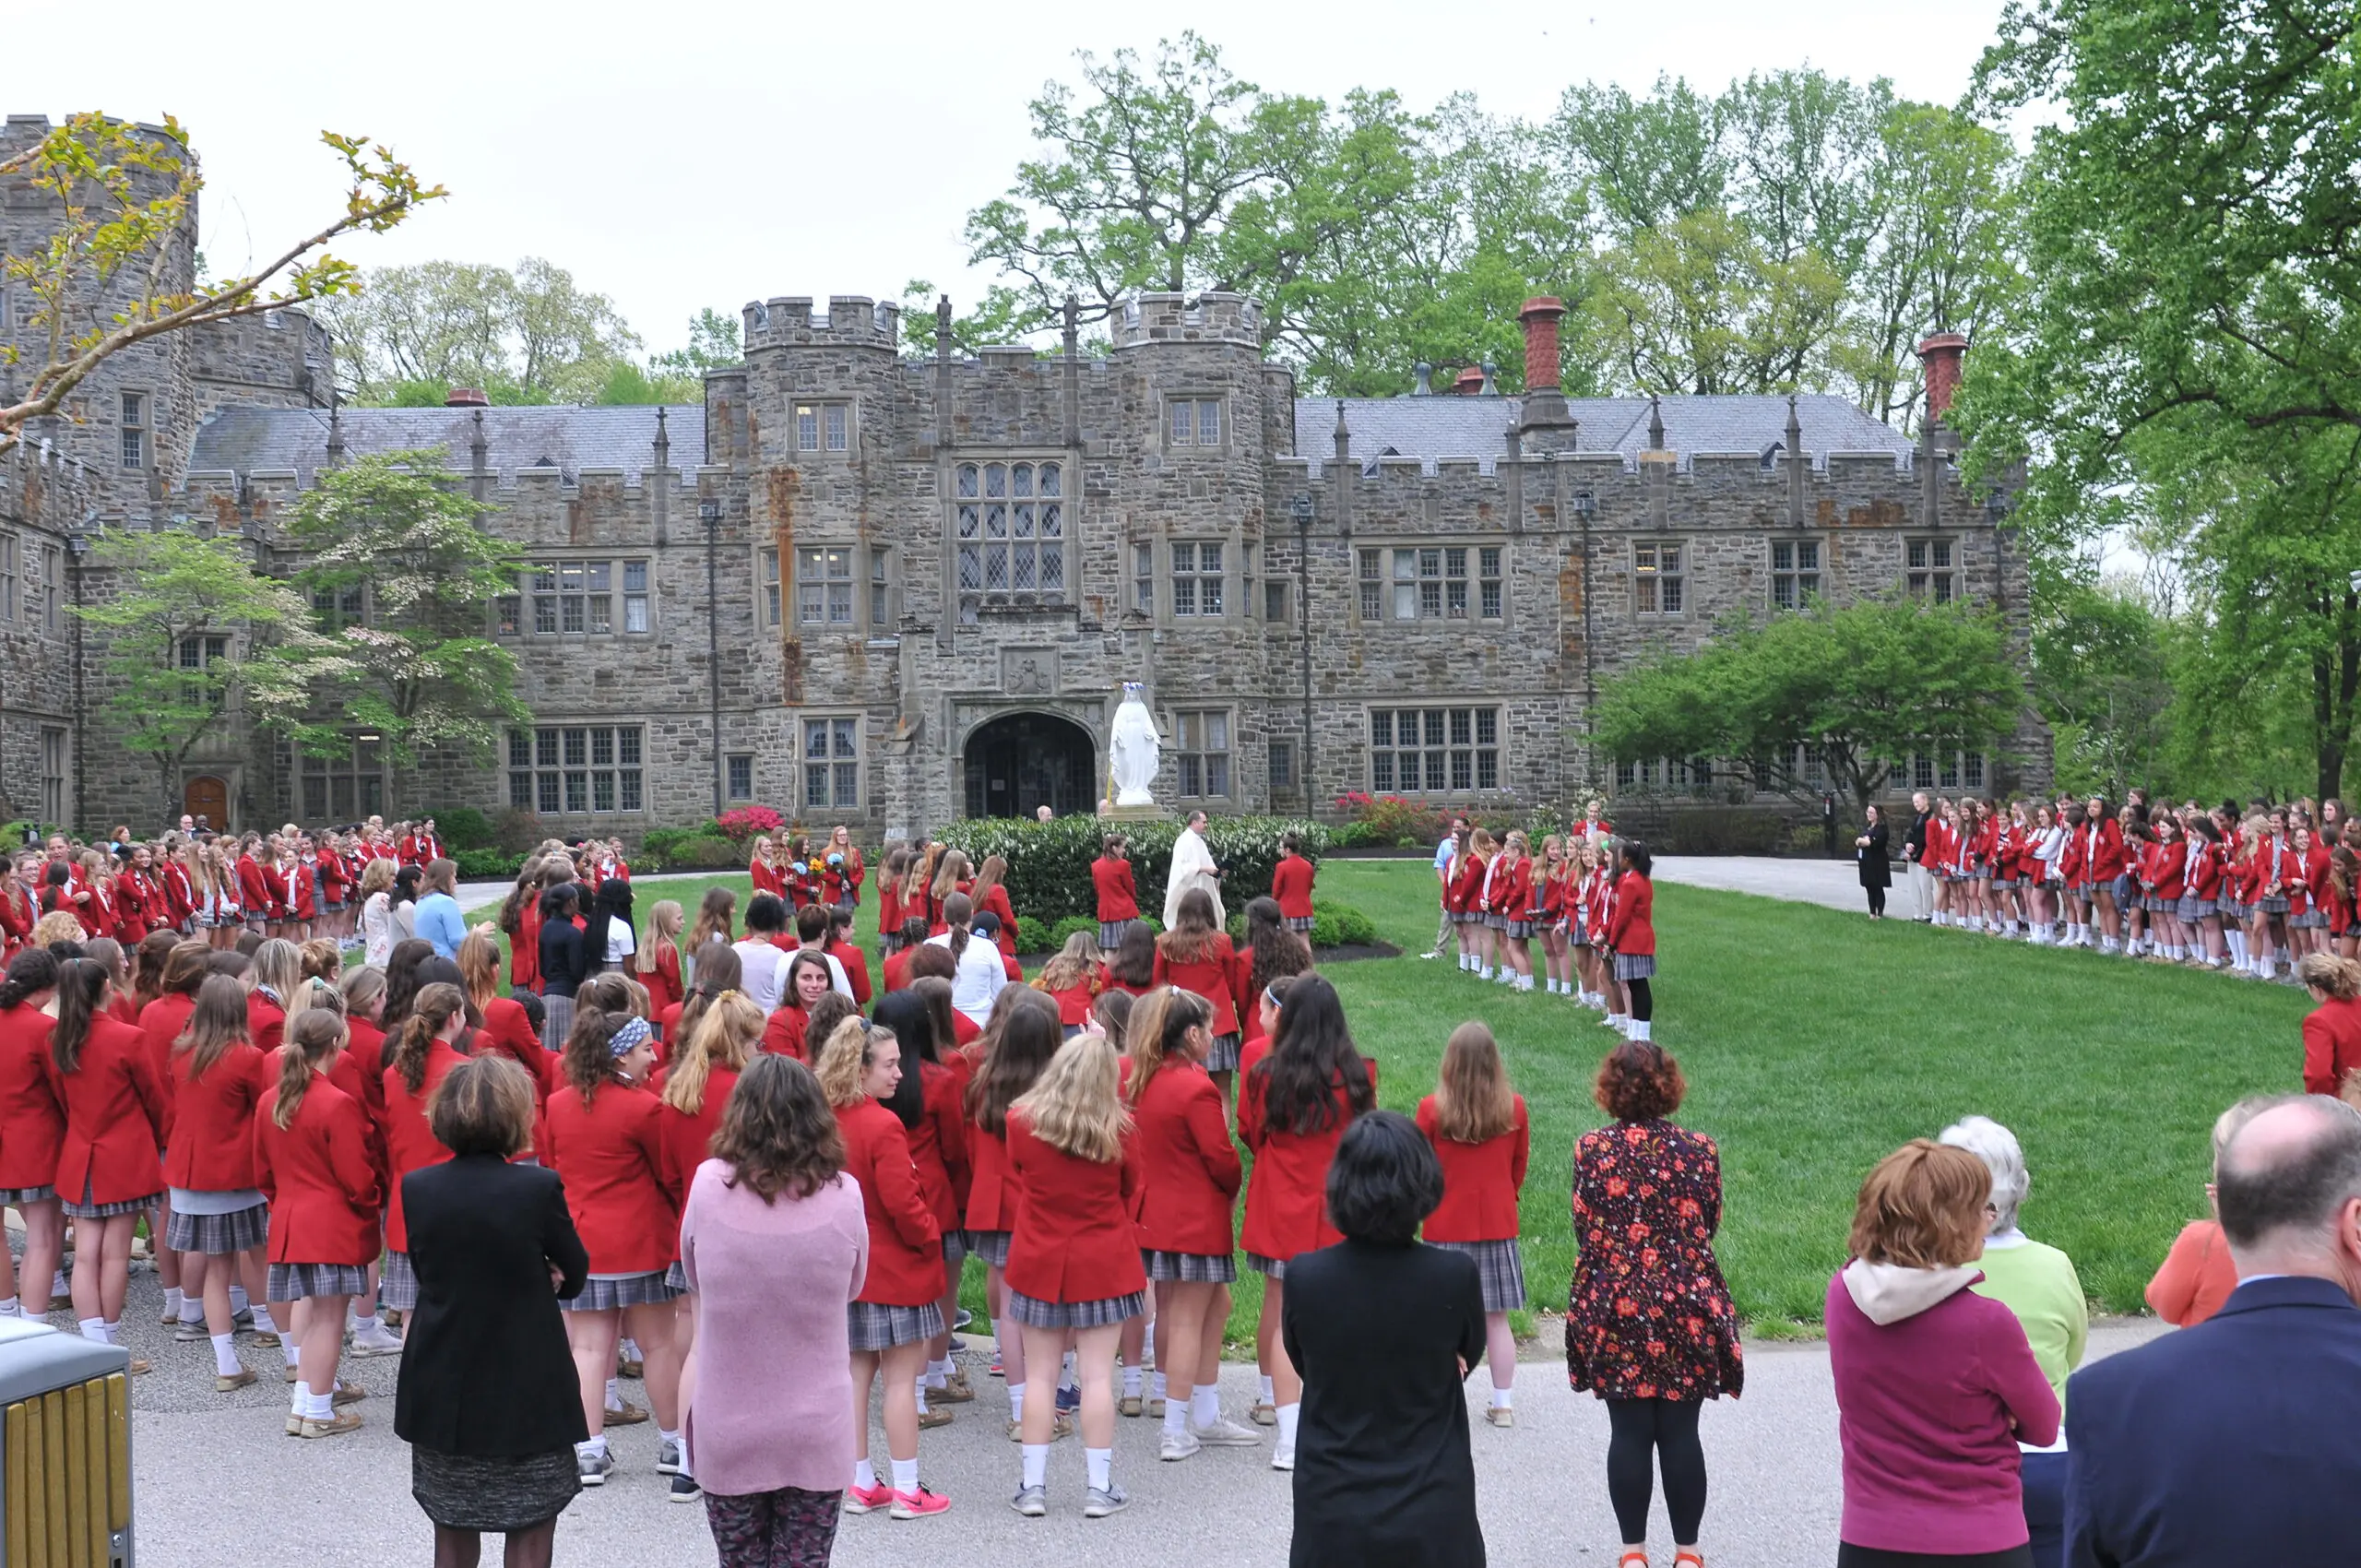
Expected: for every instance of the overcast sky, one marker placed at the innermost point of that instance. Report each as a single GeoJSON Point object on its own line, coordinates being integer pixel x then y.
{"type": "Point", "coordinates": [697, 152]}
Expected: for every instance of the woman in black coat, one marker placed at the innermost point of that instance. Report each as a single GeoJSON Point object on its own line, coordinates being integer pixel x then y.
{"type": "Point", "coordinates": [565, 961]}
{"type": "Point", "coordinates": [489, 1400]}
{"type": "Point", "coordinates": [1383, 1330]}
{"type": "Point", "coordinates": [1873, 849]}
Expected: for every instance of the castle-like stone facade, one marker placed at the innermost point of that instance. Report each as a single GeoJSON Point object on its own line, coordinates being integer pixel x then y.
{"type": "Point", "coordinates": [868, 588]}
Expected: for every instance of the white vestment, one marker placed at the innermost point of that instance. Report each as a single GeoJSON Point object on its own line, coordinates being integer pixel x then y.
{"type": "Point", "coordinates": [1193, 866]}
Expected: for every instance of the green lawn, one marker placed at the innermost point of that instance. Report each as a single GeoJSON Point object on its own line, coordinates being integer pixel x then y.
{"type": "Point", "coordinates": [1815, 1043]}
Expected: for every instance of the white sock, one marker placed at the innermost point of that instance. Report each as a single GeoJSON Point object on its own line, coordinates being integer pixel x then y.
{"type": "Point", "coordinates": [1037, 1464]}
{"type": "Point", "coordinates": [1486, 971]}
{"type": "Point", "coordinates": [1100, 1463]}
{"type": "Point", "coordinates": [94, 1329]}
{"type": "Point", "coordinates": [1016, 1401]}
{"type": "Point", "coordinates": [865, 1475]}
{"type": "Point", "coordinates": [238, 1303]}
{"type": "Point", "coordinates": [1503, 1398]}
{"type": "Point", "coordinates": [938, 1373]}
{"type": "Point", "coordinates": [1147, 1345]}
{"type": "Point", "coordinates": [921, 1382]}
{"type": "Point", "coordinates": [630, 1348]}
{"type": "Point", "coordinates": [1133, 1383]}
{"type": "Point", "coordinates": [225, 1356]}
{"type": "Point", "coordinates": [192, 1308]}
{"type": "Point", "coordinates": [1205, 1405]}
{"type": "Point", "coordinates": [321, 1402]}
{"type": "Point", "coordinates": [672, 1438]}
{"type": "Point", "coordinates": [1176, 1418]}
{"type": "Point", "coordinates": [1287, 1414]}
{"type": "Point", "coordinates": [173, 1302]}
{"type": "Point", "coordinates": [906, 1477]}
{"type": "Point", "coordinates": [264, 1321]}
{"type": "Point", "coordinates": [1265, 1390]}
{"type": "Point", "coordinates": [1640, 1029]}
{"type": "Point", "coordinates": [591, 1448]}
{"type": "Point", "coordinates": [1155, 1385]}
{"type": "Point", "coordinates": [11, 1307]}
{"type": "Point", "coordinates": [114, 1332]}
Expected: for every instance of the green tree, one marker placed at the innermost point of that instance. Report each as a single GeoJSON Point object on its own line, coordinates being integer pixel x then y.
{"type": "Point", "coordinates": [1859, 688]}
{"type": "Point", "coordinates": [124, 202]}
{"type": "Point", "coordinates": [191, 632]}
{"type": "Point", "coordinates": [420, 671]}
{"type": "Point", "coordinates": [714, 344]}
{"type": "Point", "coordinates": [2102, 679]}
{"type": "Point", "coordinates": [1698, 305]}
{"type": "Point", "coordinates": [524, 335]}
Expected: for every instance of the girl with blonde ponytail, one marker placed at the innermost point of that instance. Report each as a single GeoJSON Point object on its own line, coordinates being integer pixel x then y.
{"type": "Point", "coordinates": [705, 1069]}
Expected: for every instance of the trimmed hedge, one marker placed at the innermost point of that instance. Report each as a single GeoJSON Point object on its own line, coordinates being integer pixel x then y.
{"type": "Point", "coordinates": [692, 849]}
{"type": "Point", "coordinates": [486, 866]}
{"type": "Point", "coordinates": [1333, 924]}
{"type": "Point", "coordinates": [1048, 862]}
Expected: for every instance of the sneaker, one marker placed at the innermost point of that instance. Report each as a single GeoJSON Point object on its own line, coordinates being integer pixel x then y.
{"type": "Point", "coordinates": [869, 1500]}
{"type": "Point", "coordinates": [996, 1369]}
{"type": "Point", "coordinates": [1103, 1501]}
{"type": "Point", "coordinates": [1069, 1399]}
{"type": "Point", "coordinates": [591, 1468]}
{"type": "Point", "coordinates": [232, 1382]}
{"type": "Point", "coordinates": [335, 1426]}
{"type": "Point", "coordinates": [1130, 1405]}
{"type": "Point", "coordinates": [668, 1459]}
{"type": "Point", "coordinates": [962, 1319]}
{"type": "Point", "coordinates": [1226, 1435]}
{"type": "Point", "coordinates": [1434, 954]}
{"type": "Point", "coordinates": [1263, 1414]}
{"type": "Point", "coordinates": [1499, 1416]}
{"type": "Point", "coordinates": [1175, 1446]}
{"type": "Point", "coordinates": [294, 1425]}
{"type": "Point", "coordinates": [630, 1415]}
{"type": "Point", "coordinates": [920, 1505]}
{"type": "Point", "coordinates": [1283, 1456]}
{"type": "Point", "coordinates": [1156, 1406]}
{"type": "Point", "coordinates": [374, 1338]}
{"type": "Point", "coordinates": [684, 1490]}
{"type": "Point", "coordinates": [1031, 1500]}
{"type": "Point", "coordinates": [191, 1333]}
{"type": "Point", "coordinates": [933, 1415]}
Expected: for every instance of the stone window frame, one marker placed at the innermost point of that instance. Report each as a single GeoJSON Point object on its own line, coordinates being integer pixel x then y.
{"type": "Point", "coordinates": [738, 769]}
{"type": "Point", "coordinates": [1803, 581]}
{"type": "Point", "coordinates": [52, 587]}
{"type": "Point", "coordinates": [135, 428]}
{"type": "Point", "coordinates": [833, 424]}
{"type": "Point", "coordinates": [1482, 580]}
{"type": "Point", "coordinates": [828, 590]}
{"type": "Point", "coordinates": [544, 759]}
{"type": "Point", "coordinates": [1651, 550]}
{"type": "Point", "coordinates": [1197, 764]}
{"type": "Point", "coordinates": [884, 620]}
{"type": "Point", "coordinates": [55, 763]}
{"type": "Point", "coordinates": [513, 610]}
{"type": "Point", "coordinates": [1664, 776]}
{"type": "Point", "coordinates": [1278, 763]}
{"type": "Point", "coordinates": [346, 605]}
{"type": "Point", "coordinates": [1439, 747]}
{"type": "Point", "coordinates": [842, 754]}
{"type": "Point", "coordinates": [1947, 771]}
{"type": "Point", "coordinates": [11, 557]}
{"type": "Point", "coordinates": [1169, 410]}
{"type": "Point", "coordinates": [1050, 466]}
{"type": "Point", "coordinates": [770, 589]}
{"type": "Point", "coordinates": [1198, 579]}
{"type": "Point", "coordinates": [1931, 568]}
{"type": "Point", "coordinates": [363, 770]}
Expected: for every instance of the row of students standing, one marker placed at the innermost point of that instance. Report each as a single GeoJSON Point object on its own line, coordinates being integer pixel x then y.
{"type": "Point", "coordinates": [1588, 900]}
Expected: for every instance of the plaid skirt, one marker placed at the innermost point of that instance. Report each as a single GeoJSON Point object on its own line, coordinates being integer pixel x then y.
{"type": "Point", "coordinates": [989, 1245]}
{"type": "Point", "coordinates": [1466, 917]}
{"type": "Point", "coordinates": [1111, 934]}
{"type": "Point", "coordinates": [557, 1021]}
{"type": "Point", "coordinates": [396, 1284]}
{"type": "Point", "coordinates": [2273, 906]}
{"type": "Point", "coordinates": [13, 1196]}
{"type": "Point", "coordinates": [2313, 921]}
{"type": "Point", "coordinates": [1107, 1313]}
{"type": "Point", "coordinates": [1498, 922]}
{"type": "Point", "coordinates": [294, 1281]}
{"type": "Point", "coordinates": [1269, 1268]}
{"type": "Point", "coordinates": [1518, 931]}
{"type": "Point", "coordinates": [649, 1290]}
{"type": "Point", "coordinates": [1222, 1055]}
{"type": "Point", "coordinates": [955, 1247]}
{"type": "Point", "coordinates": [2192, 908]}
{"type": "Point", "coordinates": [873, 1326]}
{"type": "Point", "coordinates": [2231, 909]}
{"type": "Point", "coordinates": [1190, 1268]}
{"type": "Point", "coordinates": [1500, 1267]}
{"type": "Point", "coordinates": [888, 943]}
{"type": "Point", "coordinates": [2004, 881]}
{"type": "Point", "coordinates": [217, 1235]}
{"type": "Point", "coordinates": [1301, 922]}
{"type": "Point", "coordinates": [676, 1278]}
{"type": "Point", "coordinates": [88, 1210]}
{"type": "Point", "coordinates": [1635, 966]}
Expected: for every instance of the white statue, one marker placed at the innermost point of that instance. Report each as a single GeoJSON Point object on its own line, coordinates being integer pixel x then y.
{"type": "Point", "coordinates": [1133, 751]}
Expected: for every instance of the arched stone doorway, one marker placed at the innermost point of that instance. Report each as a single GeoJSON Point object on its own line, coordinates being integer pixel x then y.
{"type": "Point", "coordinates": [1022, 761]}
{"type": "Point", "coordinates": [206, 798]}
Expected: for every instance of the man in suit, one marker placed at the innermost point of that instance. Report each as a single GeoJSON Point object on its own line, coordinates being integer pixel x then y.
{"type": "Point", "coordinates": [1913, 854]}
{"type": "Point", "coordinates": [2233, 1442]}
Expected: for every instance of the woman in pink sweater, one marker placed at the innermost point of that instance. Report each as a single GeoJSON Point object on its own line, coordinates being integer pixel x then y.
{"type": "Point", "coordinates": [1935, 1385]}
{"type": "Point", "coordinates": [775, 1246]}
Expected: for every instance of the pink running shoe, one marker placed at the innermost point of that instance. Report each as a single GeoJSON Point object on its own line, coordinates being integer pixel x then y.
{"type": "Point", "coordinates": [920, 1505]}
{"type": "Point", "coordinates": [869, 1501]}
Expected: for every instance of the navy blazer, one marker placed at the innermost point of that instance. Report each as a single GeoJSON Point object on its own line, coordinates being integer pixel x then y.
{"type": "Point", "coordinates": [2232, 1442]}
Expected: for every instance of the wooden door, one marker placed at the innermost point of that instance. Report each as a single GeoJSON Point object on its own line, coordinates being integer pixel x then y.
{"type": "Point", "coordinates": [206, 799]}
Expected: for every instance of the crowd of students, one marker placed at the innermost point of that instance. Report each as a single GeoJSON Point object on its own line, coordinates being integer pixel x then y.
{"type": "Point", "coordinates": [2253, 889]}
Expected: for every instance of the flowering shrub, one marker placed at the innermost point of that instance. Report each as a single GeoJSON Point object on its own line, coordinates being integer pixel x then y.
{"type": "Point", "coordinates": [1390, 819]}
{"type": "Point", "coordinates": [743, 825]}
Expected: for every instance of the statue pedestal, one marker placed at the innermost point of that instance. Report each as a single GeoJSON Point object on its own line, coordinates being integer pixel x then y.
{"type": "Point", "coordinates": [1137, 813]}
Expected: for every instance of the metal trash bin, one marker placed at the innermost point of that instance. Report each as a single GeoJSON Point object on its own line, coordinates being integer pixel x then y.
{"type": "Point", "coordinates": [65, 1449]}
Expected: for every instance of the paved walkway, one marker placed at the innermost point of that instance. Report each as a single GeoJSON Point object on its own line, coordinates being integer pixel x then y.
{"type": "Point", "coordinates": [1836, 884]}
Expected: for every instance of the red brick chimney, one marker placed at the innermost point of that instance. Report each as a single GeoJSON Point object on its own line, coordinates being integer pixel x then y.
{"type": "Point", "coordinates": [1467, 383]}
{"type": "Point", "coordinates": [1540, 316]}
{"type": "Point", "coordinates": [466, 398]}
{"type": "Point", "coordinates": [1943, 354]}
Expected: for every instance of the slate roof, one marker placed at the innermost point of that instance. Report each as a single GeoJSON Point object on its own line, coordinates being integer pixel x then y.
{"type": "Point", "coordinates": [1448, 426]}
{"type": "Point", "coordinates": [567, 437]}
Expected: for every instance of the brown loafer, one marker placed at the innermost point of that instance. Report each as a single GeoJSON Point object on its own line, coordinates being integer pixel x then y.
{"type": "Point", "coordinates": [630, 1415]}
{"type": "Point", "coordinates": [335, 1426]}
{"type": "Point", "coordinates": [242, 1378]}
{"type": "Point", "coordinates": [932, 1416]}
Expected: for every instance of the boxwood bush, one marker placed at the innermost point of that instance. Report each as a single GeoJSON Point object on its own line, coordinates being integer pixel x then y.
{"type": "Point", "coordinates": [1048, 862]}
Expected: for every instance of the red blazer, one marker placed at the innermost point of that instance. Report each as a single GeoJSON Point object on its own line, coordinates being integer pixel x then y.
{"type": "Point", "coordinates": [1073, 1003]}
{"type": "Point", "coordinates": [2103, 851]}
{"type": "Point", "coordinates": [2169, 872]}
{"type": "Point", "coordinates": [2331, 1045]}
{"type": "Point", "coordinates": [964, 1029]}
{"type": "Point", "coordinates": [212, 1146]}
{"type": "Point", "coordinates": [765, 877]}
{"type": "Point", "coordinates": [525, 949]}
{"type": "Point", "coordinates": [160, 1023]}
{"type": "Point", "coordinates": [992, 1192]}
{"type": "Point", "coordinates": [856, 965]}
{"type": "Point", "coordinates": [939, 1142]}
{"type": "Point", "coordinates": [1208, 976]}
{"type": "Point", "coordinates": [1119, 898]}
{"type": "Point", "coordinates": [130, 910]}
{"type": "Point", "coordinates": [1291, 885]}
{"type": "Point", "coordinates": [783, 1032]}
{"type": "Point", "coordinates": [1480, 1182]}
{"type": "Point", "coordinates": [1249, 1003]}
{"type": "Point", "coordinates": [409, 1143]}
{"type": "Point", "coordinates": [842, 882]}
{"type": "Point", "coordinates": [114, 1118]}
{"type": "Point", "coordinates": [318, 1175]}
{"type": "Point", "coordinates": [889, 909]}
{"type": "Point", "coordinates": [1190, 1170]}
{"type": "Point", "coordinates": [896, 968]}
{"type": "Point", "coordinates": [1466, 882]}
{"type": "Point", "coordinates": [1286, 1199]}
{"type": "Point", "coordinates": [2069, 859]}
{"type": "Point", "coordinates": [1513, 895]}
{"type": "Point", "coordinates": [266, 1021]}
{"type": "Point", "coordinates": [298, 901]}
{"type": "Point", "coordinates": [905, 1241]}
{"type": "Point", "coordinates": [1633, 928]}
{"type": "Point", "coordinates": [17, 918]}
{"type": "Point", "coordinates": [334, 878]}
{"type": "Point", "coordinates": [997, 902]}
{"type": "Point", "coordinates": [364, 1047]}
{"type": "Point", "coordinates": [508, 1032]}
{"type": "Point", "coordinates": [2202, 878]}
{"type": "Point", "coordinates": [254, 889]}
{"type": "Point", "coordinates": [33, 1119]}
{"type": "Point", "coordinates": [611, 1157]}
{"type": "Point", "coordinates": [686, 1140]}
{"type": "Point", "coordinates": [1075, 1238]}
{"type": "Point", "coordinates": [663, 982]}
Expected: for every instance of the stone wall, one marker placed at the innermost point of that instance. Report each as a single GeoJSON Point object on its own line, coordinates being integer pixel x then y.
{"type": "Point", "coordinates": [44, 497]}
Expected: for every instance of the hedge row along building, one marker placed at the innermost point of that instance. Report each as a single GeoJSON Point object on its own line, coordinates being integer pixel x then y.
{"type": "Point", "coordinates": [890, 590]}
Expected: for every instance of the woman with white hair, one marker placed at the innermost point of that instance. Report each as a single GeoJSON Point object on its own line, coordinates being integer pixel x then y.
{"type": "Point", "coordinates": [2038, 1284]}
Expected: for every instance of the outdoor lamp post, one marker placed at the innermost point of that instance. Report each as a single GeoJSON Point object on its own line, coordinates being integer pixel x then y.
{"type": "Point", "coordinates": [1301, 509]}
{"type": "Point", "coordinates": [709, 514]}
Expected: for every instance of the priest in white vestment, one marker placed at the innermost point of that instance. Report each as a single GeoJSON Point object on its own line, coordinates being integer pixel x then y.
{"type": "Point", "coordinates": [1193, 866]}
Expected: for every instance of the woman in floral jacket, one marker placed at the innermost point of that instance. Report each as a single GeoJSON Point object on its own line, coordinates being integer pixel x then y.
{"type": "Point", "coordinates": [1649, 1324]}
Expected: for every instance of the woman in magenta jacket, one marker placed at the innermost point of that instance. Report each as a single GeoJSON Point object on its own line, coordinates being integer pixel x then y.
{"type": "Point", "coordinates": [1935, 1383]}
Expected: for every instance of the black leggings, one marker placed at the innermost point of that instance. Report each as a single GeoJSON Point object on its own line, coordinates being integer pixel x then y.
{"type": "Point", "coordinates": [1643, 1005]}
{"type": "Point", "coordinates": [1667, 1428]}
{"type": "Point", "coordinates": [1876, 901]}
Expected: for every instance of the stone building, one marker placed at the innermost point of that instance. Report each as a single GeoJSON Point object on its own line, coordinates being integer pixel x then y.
{"type": "Point", "coordinates": [869, 588]}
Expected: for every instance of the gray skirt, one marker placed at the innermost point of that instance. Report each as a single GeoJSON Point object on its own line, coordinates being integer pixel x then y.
{"type": "Point", "coordinates": [1303, 924]}
{"type": "Point", "coordinates": [676, 1278]}
{"type": "Point", "coordinates": [12, 1197]}
{"type": "Point", "coordinates": [1221, 1056]}
{"type": "Point", "coordinates": [1635, 966]}
{"type": "Point", "coordinates": [872, 1325]}
{"type": "Point", "coordinates": [1269, 1268]}
{"type": "Point", "coordinates": [1500, 1267]}
{"type": "Point", "coordinates": [217, 1235]}
{"type": "Point", "coordinates": [2315, 920]}
{"type": "Point", "coordinates": [1111, 934]}
{"type": "Point", "coordinates": [1108, 1314]}
{"type": "Point", "coordinates": [2191, 909]}
{"type": "Point", "coordinates": [296, 1281]}
{"type": "Point", "coordinates": [88, 1210]}
{"type": "Point", "coordinates": [557, 1021]}
{"type": "Point", "coordinates": [1518, 931]}
{"type": "Point", "coordinates": [2273, 905]}
{"type": "Point", "coordinates": [396, 1283]}
{"type": "Point", "coordinates": [1190, 1268]}
{"type": "Point", "coordinates": [954, 1246]}
{"type": "Point", "coordinates": [989, 1245]}
{"type": "Point", "coordinates": [2231, 909]}
{"type": "Point", "coordinates": [649, 1290]}
{"type": "Point", "coordinates": [463, 1494]}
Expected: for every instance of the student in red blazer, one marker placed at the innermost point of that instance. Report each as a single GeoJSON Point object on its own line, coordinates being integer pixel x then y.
{"type": "Point", "coordinates": [275, 969]}
{"type": "Point", "coordinates": [1512, 904]}
{"type": "Point", "coordinates": [657, 964]}
{"type": "Point", "coordinates": [929, 1102]}
{"type": "Point", "coordinates": [110, 1165]}
{"type": "Point", "coordinates": [1010, 1057]}
{"type": "Point", "coordinates": [1632, 933]}
{"type": "Point", "coordinates": [422, 1056]}
{"type": "Point", "coordinates": [1073, 1264]}
{"type": "Point", "coordinates": [2332, 1029]}
{"type": "Point", "coordinates": [705, 1066]}
{"type": "Point", "coordinates": [219, 1223]}
{"type": "Point", "coordinates": [1291, 883]}
{"type": "Point", "coordinates": [2103, 861]}
{"type": "Point", "coordinates": [606, 1144]}
{"type": "Point", "coordinates": [162, 1020]}
{"type": "Point", "coordinates": [1118, 894]}
{"type": "Point", "coordinates": [986, 894]}
{"type": "Point", "coordinates": [1188, 1197]}
{"type": "Point", "coordinates": [32, 1128]}
{"type": "Point", "coordinates": [1464, 900]}
{"type": "Point", "coordinates": [254, 886]}
{"type": "Point", "coordinates": [314, 1160]}
{"type": "Point", "coordinates": [19, 910]}
{"type": "Point", "coordinates": [1291, 1112]}
{"type": "Point", "coordinates": [763, 870]}
{"type": "Point", "coordinates": [848, 954]}
{"type": "Point", "coordinates": [1196, 954]}
{"type": "Point", "coordinates": [1480, 1134]}
{"type": "Point", "coordinates": [897, 1311]}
